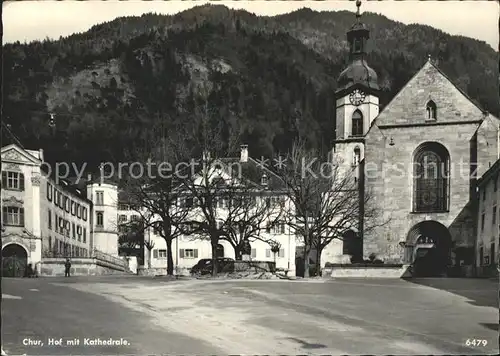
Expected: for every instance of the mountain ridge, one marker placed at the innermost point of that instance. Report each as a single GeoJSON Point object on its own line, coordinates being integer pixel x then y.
{"type": "Point", "coordinates": [270, 78]}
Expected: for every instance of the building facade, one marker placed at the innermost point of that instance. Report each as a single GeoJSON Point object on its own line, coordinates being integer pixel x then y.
{"type": "Point", "coordinates": [422, 157]}
{"type": "Point", "coordinates": [488, 227]}
{"type": "Point", "coordinates": [104, 197]}
{"type": "Point", "coordinates": [187, 250]}
{"type": "Point", "coordinates": [43, 216]}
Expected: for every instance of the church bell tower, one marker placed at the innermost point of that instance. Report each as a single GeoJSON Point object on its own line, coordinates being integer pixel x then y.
{"type": "Point", "coordinates": [357, 100]}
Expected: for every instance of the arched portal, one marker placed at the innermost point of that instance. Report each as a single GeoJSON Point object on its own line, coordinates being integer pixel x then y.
{"type": "Point", "coordinates": [220, 251]}
{"type": "Point", "coordinates": [352, 246]}
{"type": "Point", "coordinates": [14, 260]}
{"type": "Point", "coordinates": [429, 248]}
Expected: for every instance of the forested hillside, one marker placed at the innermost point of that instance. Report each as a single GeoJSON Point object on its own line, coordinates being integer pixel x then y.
{"type": "Point", "coordinates": [266, 78]}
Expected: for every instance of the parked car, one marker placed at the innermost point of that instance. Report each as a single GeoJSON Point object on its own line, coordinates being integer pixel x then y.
{"type": "Point", "coordinates": [204, 266]}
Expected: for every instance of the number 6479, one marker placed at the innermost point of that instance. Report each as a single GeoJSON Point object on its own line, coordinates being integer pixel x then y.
{"type": "Point", "coordinates": [476, 342]}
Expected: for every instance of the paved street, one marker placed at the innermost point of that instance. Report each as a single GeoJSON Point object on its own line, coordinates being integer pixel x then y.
{"type": "Point", "coordinates": [432, 316]}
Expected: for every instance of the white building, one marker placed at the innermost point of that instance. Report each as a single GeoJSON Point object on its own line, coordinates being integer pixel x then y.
{"type": "Point", "coordinates": [104, 196]}
{"type": "Point", "coordinates": [488, 221]}
{"type": "Point", "coordinates": [43, 216]}
{"type": "Point", "coordinates": [188, 250]}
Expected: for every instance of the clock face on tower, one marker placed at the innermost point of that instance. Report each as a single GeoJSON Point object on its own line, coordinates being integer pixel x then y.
{"type": "Point", "coordinates": [357, 97]}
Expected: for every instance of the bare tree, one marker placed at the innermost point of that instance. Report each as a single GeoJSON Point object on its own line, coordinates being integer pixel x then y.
{"type": "Point", "coordinates": [251, 209]}
{"type": "Point", "coordinates": [153, 193]}
{"type": "Point", "coordinates": [149, 245]}
{"type": "Point", "coordinates": [203, 185]}
{"type": "Point", "coordinates": [327, 200]}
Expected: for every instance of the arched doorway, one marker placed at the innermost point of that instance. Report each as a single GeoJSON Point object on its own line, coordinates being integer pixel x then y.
{"type": "Point", "coordinates": [14, 261]}
{"type": "Point", "coordinates": [352, 246]}
{"type": "Point", "coordinates": [429, 247]}
{"type": "Point", "coordinates": [220, 251]}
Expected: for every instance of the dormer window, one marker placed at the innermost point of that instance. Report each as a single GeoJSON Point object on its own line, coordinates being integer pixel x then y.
{"type": "Point", "coordinates": [431, 110]}
{"type": "Point", "coordinates": [263, 179]}
{"type": "Point", "coordinates": [357, 123]}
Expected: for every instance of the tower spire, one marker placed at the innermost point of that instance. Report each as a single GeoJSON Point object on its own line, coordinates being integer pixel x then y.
{"type": "Point", "coordinates": [358, 13]}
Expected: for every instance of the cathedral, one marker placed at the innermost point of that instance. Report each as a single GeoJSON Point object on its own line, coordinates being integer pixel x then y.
{"type": "Point", "coordinates": [419, 161]}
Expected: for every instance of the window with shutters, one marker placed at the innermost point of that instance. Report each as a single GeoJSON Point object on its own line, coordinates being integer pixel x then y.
{"type": "Point", "coordinates": [13, 215]}
{"type": "Point", "coordinates": [73, 208]}
{"type": "Point", "coordinates": [84, 235]}
{"type": "Point", "coordinates": [279, 228]}
{"type": "Point", "coordinates": [13, 180]}
{"type": "Point", "coordinates": [431, 178]}
{"type": "Point", "coordinates": [253, 253]}
{"type": "Point", "coordinates": [49, 191]}
{"type": "Point", "coordinates": [49, 219]}
{"type": "Point", "coordinates": [188, 253]}
{"type": "Point", "coordinates": [162, 253]}
{"type": "Point", "coordinates": [50, 243]}
{"type": "Point", "coordinates": [84, 214]}
{"type": "Point", "coordinates": [122, 218]}
{"type": "Point", "coordinates": [79, 232]}
{"type": "Point", "coordinates": [78, 211]}
{"type": "Point", "coordinates": [73, 228]}
{"type": "Point", "coordinates": [99, 217]}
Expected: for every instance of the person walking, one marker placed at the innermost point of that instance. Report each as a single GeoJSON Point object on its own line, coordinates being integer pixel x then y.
{"type": "Point", "coordinates": [67, 267]}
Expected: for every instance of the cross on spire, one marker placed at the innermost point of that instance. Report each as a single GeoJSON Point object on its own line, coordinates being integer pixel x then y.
{"type": "Point", "coordinates": [358, 14]}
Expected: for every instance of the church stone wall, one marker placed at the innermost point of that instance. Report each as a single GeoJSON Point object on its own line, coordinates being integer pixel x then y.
{"type": "Point", "coordinates": [390, 183]}
{"type": "Point", "coordinates": [487, 144]}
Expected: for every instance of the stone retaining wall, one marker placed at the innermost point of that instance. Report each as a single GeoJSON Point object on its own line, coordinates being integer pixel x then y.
{"type": "Point", "coordinates": [54, 267]}
{"type": "Point", "coordinates": [366, 271]}
{"type": "Point", "coordinates": [252, 266]}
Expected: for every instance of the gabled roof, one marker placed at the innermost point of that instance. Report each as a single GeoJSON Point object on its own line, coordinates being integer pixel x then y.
{"type": "Point", "coordinates": [491, 173]}
{"type": "Point", "coordinates": [16, 154]}
{"type": "Point", "coordinates": [407, 107]}
{"type": "Point", "coordinates": [252, 171]}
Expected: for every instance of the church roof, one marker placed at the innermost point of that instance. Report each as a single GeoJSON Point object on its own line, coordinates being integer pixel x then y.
{"type": "Point", "coordinates": [358, 72]}
{"type": "Point", "coordinates": [408, 106]}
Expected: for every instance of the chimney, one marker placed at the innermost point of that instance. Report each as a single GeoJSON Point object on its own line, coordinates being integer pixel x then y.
{"type": "Point", "coordinates": [244, 154]}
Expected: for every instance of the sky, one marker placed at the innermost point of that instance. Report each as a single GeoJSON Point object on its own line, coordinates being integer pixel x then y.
{"type": "Point", "coordinates": [37, 20]}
